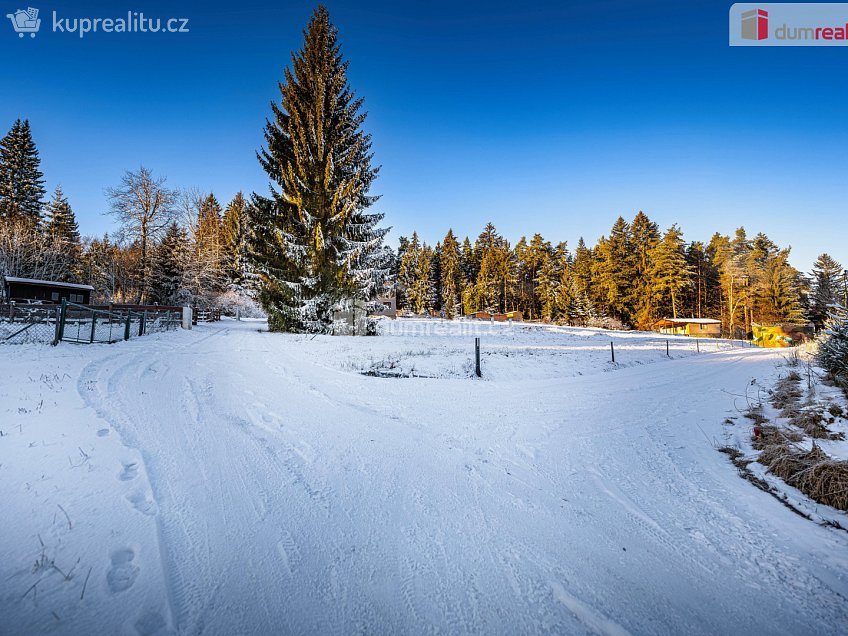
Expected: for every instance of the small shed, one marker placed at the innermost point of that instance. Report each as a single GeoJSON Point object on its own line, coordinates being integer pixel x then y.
{"type": "Point", "coordinates": [31, 290]}
{"type": "Point", "coordinates": [696, 327]}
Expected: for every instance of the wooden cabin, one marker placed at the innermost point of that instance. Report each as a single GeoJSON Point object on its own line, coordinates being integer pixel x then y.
{"type": "Point", "coordinates": [695, 327]}
{"type": "Point", "coordinates": [30, 290]}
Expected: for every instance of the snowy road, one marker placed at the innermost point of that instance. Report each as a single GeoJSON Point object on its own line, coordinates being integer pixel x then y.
{"type": "Point", "coordinates": [291, 497]}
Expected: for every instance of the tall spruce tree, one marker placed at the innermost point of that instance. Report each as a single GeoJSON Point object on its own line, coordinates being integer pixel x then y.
{"type": "Point", "coordinates": [646, 235]}
{"type": "Point", "coordinates": [234, 239]}
{"type": "Point", "coordinates": [170, 267]}
{"type": "Point", "coordinates": [21, 180]}
{"type": "Point", "coordinates": [829, 287]}
{"type": "Point", "coordinates": [414, 276]}
{"type": "Point", "coordinates": [313, 244]}
{"type": "Point", "coordinates": [614, 273]}
{"type": "Point", "coordinates": [61, 228]}
{"type": "Point", "coordinates": [451, 275]}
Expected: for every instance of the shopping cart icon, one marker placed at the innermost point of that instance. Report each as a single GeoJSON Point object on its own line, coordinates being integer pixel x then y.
{"type": "Point", "coordinates": [25, 21]}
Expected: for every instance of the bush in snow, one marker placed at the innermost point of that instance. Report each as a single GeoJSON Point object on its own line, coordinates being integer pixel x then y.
{"type": "Point", "coordinates": [833, 344]}
{"type": "Point", "coordinates": [238, 301]}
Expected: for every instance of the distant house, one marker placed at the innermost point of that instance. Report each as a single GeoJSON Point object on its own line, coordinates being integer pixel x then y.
{"type": "Point", "coordinates": [782, 334]}
{"type": "Point", "coordinates": [696, 327]}
{"type": "Point", "coordinates": [498, 316]}
{"type": "Point", "coordinates": [389, 303]}
{"type": "Point", "coordinates": [30, 290]}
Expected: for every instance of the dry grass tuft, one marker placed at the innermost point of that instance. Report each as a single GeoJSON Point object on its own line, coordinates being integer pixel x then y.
{"type": "Point", "coordinates": [813, 472]}
{"type": "Point", "coordinates": [775, 436]}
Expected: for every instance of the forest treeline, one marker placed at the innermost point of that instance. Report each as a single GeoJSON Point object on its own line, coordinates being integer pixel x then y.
{"type": "Point", "coordinates": [172, 247]}
{"type": "Point", "coordinates": [183, 247]}
{"type": "Point", "coordinates": [632, 277]}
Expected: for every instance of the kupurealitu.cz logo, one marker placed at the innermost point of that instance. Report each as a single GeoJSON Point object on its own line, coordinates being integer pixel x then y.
{"type": "Point", "coordinates": [789, 24]}
{"type": "Point", "coordinates": [27, 22]}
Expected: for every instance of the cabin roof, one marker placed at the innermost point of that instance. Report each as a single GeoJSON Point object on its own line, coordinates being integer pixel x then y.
{"type": "Point", "coordinates": [46, 283]}
{"type": "Point", "coordinates": [690, 321]}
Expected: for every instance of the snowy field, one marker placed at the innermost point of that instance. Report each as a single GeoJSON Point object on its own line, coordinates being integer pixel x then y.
{"type": "Point", "coordinates": [229, 481]}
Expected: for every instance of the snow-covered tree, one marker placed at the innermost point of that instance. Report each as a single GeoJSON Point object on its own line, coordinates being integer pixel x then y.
{"type": "Point", "coordinates": [833, 344]}
{"type": "Point", "coordinates": [313, 244]}
{"type": "Point", "coordinates": [170, 267]}
{"type": "Point", "coordinates": [414, 276]}
{"type": "Point", "coordinates": [21, 180]}
{"type": "Point", "coordinates": [234, 239]}
{"type": "Point", "coordinates": [828, 288]}
{"type": "Point", "coordinates": [451, 275]}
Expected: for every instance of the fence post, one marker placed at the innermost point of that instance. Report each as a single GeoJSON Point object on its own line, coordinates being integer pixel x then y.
{"type": "Point", "coordinates": [56, 337]}
{"type": "Point", "coordinates": [612, 351]}
{"type": "Point", "coordinates": [63, 316]}
{"type": "Point", "coordinates": [187, 317]}
{"type": "Point", "coordinates": [143, 324]}
{"type": "Point", "coordinates": [127, 325]}
{"type": "Point", "coordinates": [666, 349]}
{"type": "Point", "coordinates": [93, 325]}
{"type": "Point", "coordinates": [697, 347]}
{"type": "Point", "coordinates": [477, 357]}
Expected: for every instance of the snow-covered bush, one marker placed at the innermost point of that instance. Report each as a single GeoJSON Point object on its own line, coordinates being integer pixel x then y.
{"type": "Point", "coordinates": [833, 344]}
{"type": "Point", "coordinates": [238, 301]}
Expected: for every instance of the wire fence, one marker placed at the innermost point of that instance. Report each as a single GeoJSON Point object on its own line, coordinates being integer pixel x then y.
{"type": "Point", "coordinates": [27, 324]}
{"type": "Point", "coordinates": [82, 324]}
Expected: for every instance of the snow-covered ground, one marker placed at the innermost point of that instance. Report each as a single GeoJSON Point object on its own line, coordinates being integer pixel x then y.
{"type": "Point", "coordinates": [229, 481]}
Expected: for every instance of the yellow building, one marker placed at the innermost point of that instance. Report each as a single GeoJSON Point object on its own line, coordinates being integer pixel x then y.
{"type": "Point", "coordinates": [695, 327]}
{"type": "Point", "coordinates": [782, 335]}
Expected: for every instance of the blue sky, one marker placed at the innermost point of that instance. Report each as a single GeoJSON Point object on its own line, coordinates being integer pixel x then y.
{"type": "Point", "coordinates": [553, 117]}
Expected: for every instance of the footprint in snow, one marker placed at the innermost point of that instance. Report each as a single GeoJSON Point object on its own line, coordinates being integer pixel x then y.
{"type": "Point", "coordinates": [129, 472]}
{"type": "Point", "coordinates": [123, 572]}
{"type": "Point", "coordinates": [142, 503]}
{"type": "Point", "coordinates": [103, 432]}
{"type": "Point", "coordinates": [149, 623]}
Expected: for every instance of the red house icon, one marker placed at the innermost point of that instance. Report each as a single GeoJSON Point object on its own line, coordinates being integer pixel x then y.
{"type": "Point", "coordinates": [755, 24]}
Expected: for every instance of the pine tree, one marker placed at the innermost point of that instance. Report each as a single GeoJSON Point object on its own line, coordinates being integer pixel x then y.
{"type": "Point", "coordinates": [21, 180]}
{"type": "Point", "coordinates": [414, 276]}
{"type": "Point", "coordinates": [547, 285]}
{"type": "Point", "coordinates": [614, 273]}
{"type": "Point", "coordinates": [207, 266]}
{"type": "Point", "coordinates": [778, 297]}
{"type": "Point", "coordinates": [495, 273]}
{"type": "Point", "coordinates": [451, 275]}
{"type": "Point", "coordinates": [436, 277]}
{"type": "Point", "coordinates": [645, 236]}
{"type": "Point", "coordinates": [829, 287]}
{"type": "Point", "coordinates": [61, 228]}
{"type": "Point", "coordinates": [669, 273]}
{"type": "Point", "coordinates": [700, 301]}
{"type": "Point", "coordinates": [313, 245]}
{"type": "Point", "coordinates": [234, 240]}
{"type": "Point", "coordinates": [170, 268]}
{"type": "Point", "coordinates": [468, 264]}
